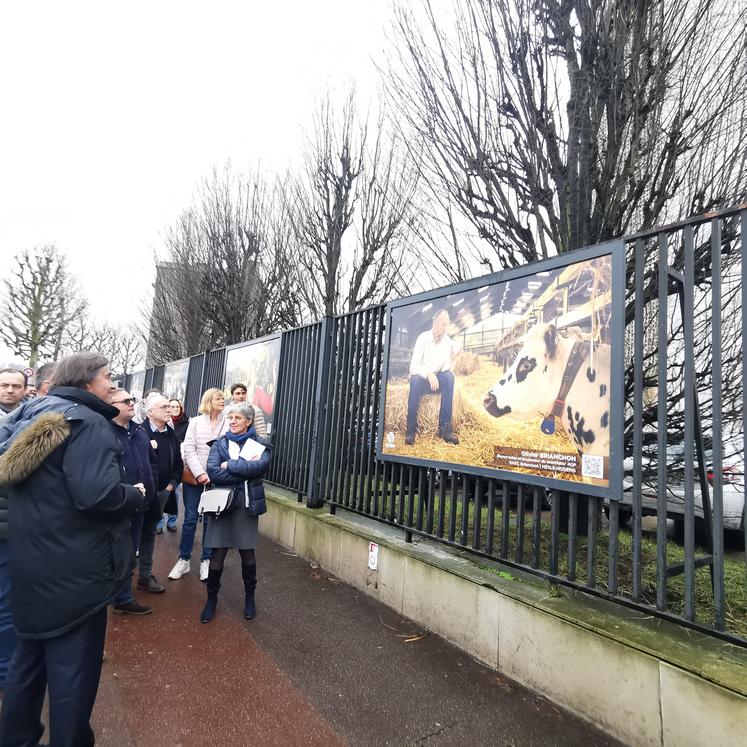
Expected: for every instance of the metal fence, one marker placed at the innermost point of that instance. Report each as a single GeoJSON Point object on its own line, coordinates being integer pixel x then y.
{"type": "Point", "coordinates": [686, 301]}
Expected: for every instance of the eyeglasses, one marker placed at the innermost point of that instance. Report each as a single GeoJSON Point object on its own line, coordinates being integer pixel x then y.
{"type": "Point", "coordinates": [130, 401]}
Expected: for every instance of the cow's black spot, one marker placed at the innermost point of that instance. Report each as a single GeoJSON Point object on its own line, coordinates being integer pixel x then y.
{"type": "Point", "coordinates": [591, 374]}
{"type": "Point", "coordinates": [524, 368]}
{"type": "Point", "coordinates": [577, 429]}
{"type": "Point", "coordinates": [551, 340]}
{"type": "Point", "coordinates": [570, 414]}
{"type": "Point", "coordinates": [605, 419]}
{"type": "Point", "coordinates": [544, 370]}
{"type": "Point", "coordinates": [510, 376]}
{"type": "Point", "coordinates": [602, 390]}
{"type": "Point", "coordinates": [491, 405]}
{"type": "Point", "coordinates": [502, 382]}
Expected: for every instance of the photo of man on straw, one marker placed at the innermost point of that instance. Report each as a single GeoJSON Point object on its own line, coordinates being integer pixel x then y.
{"type": "Point", "coordinates": [513, 375]}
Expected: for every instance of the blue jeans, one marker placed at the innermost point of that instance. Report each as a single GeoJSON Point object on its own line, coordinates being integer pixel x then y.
{"type": "Point", "coordinates": [170, 521]}
{"type": "Point", "coordinates": [7, 631]}
{"type": "Point", "coordinates": [420, 387]}
{"type": "Point", "coordinates": [191, 495]}
{"type": "Point", "coordinates": [136, 527]}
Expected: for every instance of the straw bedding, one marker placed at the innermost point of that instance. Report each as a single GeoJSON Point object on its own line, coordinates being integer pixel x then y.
{"type": "Point", "coordinates": [466, 363]}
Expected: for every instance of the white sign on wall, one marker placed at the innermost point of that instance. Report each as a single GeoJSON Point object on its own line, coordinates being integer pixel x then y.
{"type": "Point", "coordinates": [373, 556]}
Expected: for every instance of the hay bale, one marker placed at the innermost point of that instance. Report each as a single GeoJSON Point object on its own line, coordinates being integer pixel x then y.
{"type": "Point", "coordinates": [466, 363]}
{"type": "Point", "coordinates": [395, 417]}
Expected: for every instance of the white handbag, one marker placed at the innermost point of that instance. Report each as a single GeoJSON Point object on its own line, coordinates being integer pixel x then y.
{"type": "Point", "coordinates": [214, 501]}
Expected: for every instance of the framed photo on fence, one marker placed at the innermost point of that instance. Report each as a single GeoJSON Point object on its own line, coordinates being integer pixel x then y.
{"type": "Point", "coordinates": [516, 375]}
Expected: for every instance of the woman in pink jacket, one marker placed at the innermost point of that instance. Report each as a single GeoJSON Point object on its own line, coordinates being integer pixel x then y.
{"type": "Point", "coordinates": [203, 429]}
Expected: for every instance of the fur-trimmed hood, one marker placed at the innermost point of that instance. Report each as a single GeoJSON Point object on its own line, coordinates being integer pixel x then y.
{"type": "Point", "coordinates": [32, 446]}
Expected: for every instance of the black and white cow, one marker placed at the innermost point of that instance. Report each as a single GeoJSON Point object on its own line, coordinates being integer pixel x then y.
{"type": "Point", "coordinates": [529, 388]}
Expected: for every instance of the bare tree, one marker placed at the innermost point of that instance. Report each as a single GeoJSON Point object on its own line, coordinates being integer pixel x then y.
{"type": "Point", "coordinates": [228, 274]}
{"type": "Point", "coordinates": [123, 348]}
{"type": "Point", "coordinates": [351, 210]}
{"type": "Point", "coordinates": [555, 125]}
{"type": "Point", "coordinates": [40, 300]}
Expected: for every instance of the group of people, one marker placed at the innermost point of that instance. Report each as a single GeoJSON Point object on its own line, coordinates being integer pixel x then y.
{"type": "Point", "coordinates": [86, 474]}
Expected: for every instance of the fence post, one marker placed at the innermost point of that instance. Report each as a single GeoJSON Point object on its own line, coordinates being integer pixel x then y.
{"type": "Point", "coordinates": [319, 414]}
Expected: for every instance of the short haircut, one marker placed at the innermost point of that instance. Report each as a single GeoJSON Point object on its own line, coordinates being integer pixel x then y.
{"type": "Point", "coordinates": [16, 371]}
{"type": "Point", "coordinates": [207, 399]}
{"type": "Point", "coordinates": [238, 386]}
{"type": "Point", "coordinates": [439, 312]}
{"type": "Point", "coordinates": [45, 372]}
{"type": "Point", "coordinates": [154, 400]}
{"type": "Point", "coordinates": [148, 392]}
{"type": "Point", "coordinates": [79, 369]}
{"type": "Point", "coordinates": [242, 408]}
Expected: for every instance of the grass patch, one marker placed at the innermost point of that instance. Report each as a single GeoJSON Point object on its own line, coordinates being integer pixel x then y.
{"type": "Point", "coordinates": [735, 571]}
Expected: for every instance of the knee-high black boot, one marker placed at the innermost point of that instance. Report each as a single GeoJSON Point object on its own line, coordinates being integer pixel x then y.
{"type": "Point", "coordinates": [249, 574]}
{"type": "Point", "coordinates": [213, 587]}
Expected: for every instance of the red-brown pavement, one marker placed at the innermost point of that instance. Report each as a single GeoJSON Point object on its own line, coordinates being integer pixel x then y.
{"type": "Point", "coordinates": [322, 664]}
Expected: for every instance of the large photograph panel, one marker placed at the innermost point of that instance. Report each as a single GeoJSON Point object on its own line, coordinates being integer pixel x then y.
{"type": "Point", "coordinates": [175, 380]}
{"type": "Point", "coordinates": [137, 384]}
{"type": "Point", "coordinates": [255, 365]}
{"type": "Point", "coordinates": [512, 376]}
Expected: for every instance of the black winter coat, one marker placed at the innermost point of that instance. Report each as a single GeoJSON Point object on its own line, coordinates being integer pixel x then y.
{"type": "Point", "coordinates": [69, 543]}
{"type": "Point", "coordinates": [138, 459]}
{"type": "Point", "coordinates": [176, 468]}
{"type": "Point", "coordinates": [180, 428]}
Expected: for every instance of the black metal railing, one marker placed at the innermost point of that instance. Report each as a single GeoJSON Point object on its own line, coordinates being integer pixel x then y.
{"type": "Point", "coordinates": [686, 299]}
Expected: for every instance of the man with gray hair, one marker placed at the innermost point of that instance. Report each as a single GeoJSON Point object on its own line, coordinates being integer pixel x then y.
{"type": "Point", "coordinates": [167, 474]}
{"type": "Point", "coordinates": [69, 549]}
{"type": "Point", "coordinates": [44, 378]}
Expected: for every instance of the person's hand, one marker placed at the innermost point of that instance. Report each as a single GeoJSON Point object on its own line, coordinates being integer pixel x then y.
{"type": "Point", "coordinates": [169, 488]}
{"type": "Point", "coordinates": [140, 487]}
{"type": "Point", "coordinates": [433, 381]}
{"type": "Point", "coordinates": [203, 479]}
{"type": "Point", "coordinates": [255, 457]}
{"type": "Point", "coordinates": [224, 465]}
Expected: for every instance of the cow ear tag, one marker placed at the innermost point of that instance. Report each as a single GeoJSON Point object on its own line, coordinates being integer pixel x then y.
{"type": "Point", "coordinates": [548, 425]}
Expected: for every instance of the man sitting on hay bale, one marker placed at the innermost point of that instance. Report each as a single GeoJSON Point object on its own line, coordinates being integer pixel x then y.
{"type": "Point", "coordinates": [430, 372]}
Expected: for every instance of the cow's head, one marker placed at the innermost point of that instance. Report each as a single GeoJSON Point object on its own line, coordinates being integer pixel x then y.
{"type": "Point", "coordinates": [529, 387]}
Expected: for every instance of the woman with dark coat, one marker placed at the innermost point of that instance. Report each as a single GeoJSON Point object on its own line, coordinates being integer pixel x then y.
{"type": "Point", "coordinates": [228, 466]}
{"type": "Point", "coordinates": [178, 419]}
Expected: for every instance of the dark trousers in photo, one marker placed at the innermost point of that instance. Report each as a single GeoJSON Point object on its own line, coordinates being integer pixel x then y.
{"type": "Point", "coordinates": [419, 387]}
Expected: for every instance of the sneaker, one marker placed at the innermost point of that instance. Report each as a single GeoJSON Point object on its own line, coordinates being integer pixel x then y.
{"type": "Point", "coordinates": [204, 568]}
{"type": "Point", "coordinates": [181, 567]}
{"type": "Point", "coordinates": [150, 584]}
{"type": "Point", "coordinates": [132, 608]}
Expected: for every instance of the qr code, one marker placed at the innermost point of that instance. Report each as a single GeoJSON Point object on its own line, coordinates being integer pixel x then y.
{"type": "Point", "coordinates": [592, 466]}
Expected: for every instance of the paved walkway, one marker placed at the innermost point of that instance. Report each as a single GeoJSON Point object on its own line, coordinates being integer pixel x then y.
{"type": "Point", "coordinates": [322, 664]}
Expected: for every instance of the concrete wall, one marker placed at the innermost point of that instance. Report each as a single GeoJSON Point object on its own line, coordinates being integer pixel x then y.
{"type": "Point", "coordinates": [644, 682]}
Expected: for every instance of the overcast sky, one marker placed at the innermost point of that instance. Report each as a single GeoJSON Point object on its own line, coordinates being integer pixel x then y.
{"type": "Point", "coordinates": [113, 111]}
